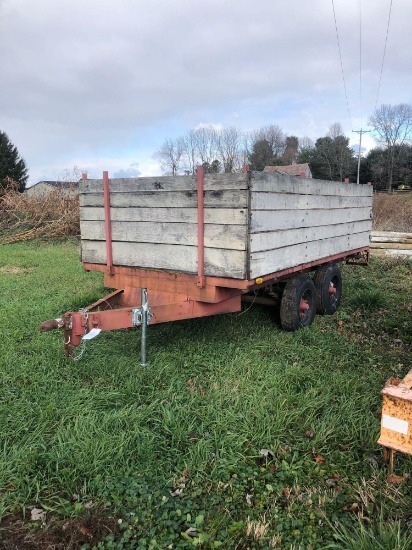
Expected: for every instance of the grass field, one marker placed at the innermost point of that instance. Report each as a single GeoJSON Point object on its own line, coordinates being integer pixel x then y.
{"type": "Point", "coordinates": [237, 435]}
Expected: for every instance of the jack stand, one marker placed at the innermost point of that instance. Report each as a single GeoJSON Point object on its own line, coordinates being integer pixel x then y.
{"type": "Point", "coordinates": [145, 308]}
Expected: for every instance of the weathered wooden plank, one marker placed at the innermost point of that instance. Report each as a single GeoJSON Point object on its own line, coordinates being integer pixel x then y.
{"type": "Point", "coordinates": [188, 215]}
{"type": "Point", "coordinates": [263, 263]}
{"type": "Point", "coordinates": [269, 220]}
{"type": "Point", "coordinates": [392, 234]}
{"type": "Point", "coordinates": [218, 262]}
{"type": "Point", "coordinates": [262, 181]}
{"type": "Point", "coordinates": [278, 239]}
{"type": "Point", "coordinates": [293, 201]}
{"type": "Point", "coordinates": [166, 183]}
{"type": "Point", "coordinates": [232, 237]}
{"type": "Point", "coordinates": [391, 240]}
{"type": "Point", "coordinates": [390, 252]}
{"type": "Point", "coordinates": [392, 246]}
{"type": "Point", "coordinates": [231, 198]}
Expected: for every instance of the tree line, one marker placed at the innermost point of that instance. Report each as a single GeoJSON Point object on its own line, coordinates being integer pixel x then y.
{"type": "Point", "coordinates": [228, 149]}
{"type": "Point", "coordinates": [330, 157]}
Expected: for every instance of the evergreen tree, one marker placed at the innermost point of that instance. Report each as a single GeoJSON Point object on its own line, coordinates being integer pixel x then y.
{"type": "Point", "coordinates": [11, 164]}
{"type": "Point", "coordinates": [261, 156]}
{"type": "Point", "coordinates": [330, 159]}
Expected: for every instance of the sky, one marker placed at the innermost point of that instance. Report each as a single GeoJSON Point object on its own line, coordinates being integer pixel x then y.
{"type": "Point", "coordinates": [99, 84]}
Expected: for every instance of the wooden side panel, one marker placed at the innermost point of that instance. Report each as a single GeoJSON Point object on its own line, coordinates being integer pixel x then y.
{"type": "Point", "coordinates": [271, 240]}
{"type": "Point", "coordinates": [188, 215]}
{"type": "Point", "coordinates": [294, 201]}
{"type": "Point", "coordinates": [300, 220]}
{"type": "Point", "coordinates": [218, 262]}
{"type": "Point", "coordinates": [262, 181]}
{"type": "Point", "coordinates": [229, 198]}
{"type": "Point", "coordinates": [232, 237]}
{"type": "Point", "coordinates": [167, 183]}
{"type": "Point", "coordinates": [154, 223]}
{"type": "Point", "coordinates": [270, 261]}
{"type": "Point", "coordinates": [269, 220]}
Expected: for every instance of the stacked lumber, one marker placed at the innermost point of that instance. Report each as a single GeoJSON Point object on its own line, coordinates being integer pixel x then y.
{"type": "Point", "coordinates": [388, 243]}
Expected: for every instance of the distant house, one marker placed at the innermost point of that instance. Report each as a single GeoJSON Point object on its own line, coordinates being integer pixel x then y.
{"type": "Point", "coordinates": [43, 188]}
{"type": "Point", "coordinates": [292, 170]}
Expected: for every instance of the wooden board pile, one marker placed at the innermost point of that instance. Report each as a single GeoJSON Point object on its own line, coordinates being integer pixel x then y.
{"type": "Point", "coordinates": [387, 243]}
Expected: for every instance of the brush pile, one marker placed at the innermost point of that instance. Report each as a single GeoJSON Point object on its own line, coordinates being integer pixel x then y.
{"type": "Point", "coordinates": [22, 217]}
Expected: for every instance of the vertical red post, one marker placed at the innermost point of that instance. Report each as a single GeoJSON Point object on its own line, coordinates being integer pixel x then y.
{"type": "Point", "coordinates": [108, 223]}
{"type": "Point", "coordinates": [84, 175]}
{"type": "Point", "coordinates": [200, 228]}
{"type": "Point", "coordinates": [246, 168]}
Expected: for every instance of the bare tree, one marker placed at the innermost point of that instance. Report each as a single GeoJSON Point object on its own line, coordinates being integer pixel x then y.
{"type": "Point", "coordinates": [393, 126]}
{"type": "Point", "coordinates": [170, 154]}
{"type": "Point", "coordinates": [206, 144]}
{"type": "Point", "coordinates": [228, 142]}
{"type": "Point", "coordinates": [190, 155]}
{"type": "Point", "coordinates": [274, 135]}
{"type": "Point", "coordinates": [335, 130]}
{"type": "Point", "coordinates": [305, 142]}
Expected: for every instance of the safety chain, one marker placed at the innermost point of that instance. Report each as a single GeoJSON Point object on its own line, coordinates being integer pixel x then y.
{"type": "Point", "coordinates": [83, 344]}
{"type": "Point", "coordinates": [247, 309]}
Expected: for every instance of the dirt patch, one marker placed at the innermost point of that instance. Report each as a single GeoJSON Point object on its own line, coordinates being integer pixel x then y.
{"type": "Point", "coordinates": [56, 534]}
{"type": "Point", "coordinates": [15, 270]}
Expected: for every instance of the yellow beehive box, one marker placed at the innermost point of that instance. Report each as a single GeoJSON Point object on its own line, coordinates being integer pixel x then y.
{"type": "Point", "coordinates": [396, 423]}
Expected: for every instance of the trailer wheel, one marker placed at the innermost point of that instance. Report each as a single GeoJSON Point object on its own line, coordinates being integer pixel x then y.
{"type": "Point", "coordinates": [298, 305]}
{"type": "Point", "coordinates": [328, 284]}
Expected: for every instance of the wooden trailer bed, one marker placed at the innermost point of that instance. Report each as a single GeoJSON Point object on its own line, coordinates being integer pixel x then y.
{"type": "Point", "coordinates": [255, 223]}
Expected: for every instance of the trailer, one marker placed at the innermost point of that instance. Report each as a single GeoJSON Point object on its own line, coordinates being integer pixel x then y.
{"type": "Point", "coordinates": [180, 247]}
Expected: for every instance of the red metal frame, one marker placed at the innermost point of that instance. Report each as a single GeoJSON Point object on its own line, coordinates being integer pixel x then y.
{"type": "Point", "coordinates": [108, 222]}
{"type": "Point", "coordinates": [172, 297]}
{"type": "Point", "coordinates": [184, 282]}
{"type": "Point", "coordinates": [77, 324]}
{"type": "Point", "coordinates": [200, 228]}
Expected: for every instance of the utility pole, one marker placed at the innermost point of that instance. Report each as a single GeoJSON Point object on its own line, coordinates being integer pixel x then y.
{"type": "Point", "coordinates": [360, 132]}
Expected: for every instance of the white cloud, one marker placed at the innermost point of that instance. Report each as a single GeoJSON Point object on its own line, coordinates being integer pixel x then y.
{"type": "Point", "coordinates": [213, 125]}
{"type": "Point", "coordinates": [105, 82]}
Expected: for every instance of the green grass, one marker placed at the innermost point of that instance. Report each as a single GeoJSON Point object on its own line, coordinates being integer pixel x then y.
{"type": "Point", "coordinates": [216, 392]}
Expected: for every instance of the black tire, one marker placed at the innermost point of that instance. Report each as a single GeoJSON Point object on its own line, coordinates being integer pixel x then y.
{"type": "Point", "coordinates": [298, 290]}
{"type": "Point", "coordinates": [328, 277]}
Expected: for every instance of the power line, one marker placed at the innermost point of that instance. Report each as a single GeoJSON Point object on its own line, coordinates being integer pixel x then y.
{"type": "Point", "coordinates": [384, 52]}
{"type": "Point", "coordinates": [360, 57]}
{"type": "Point", "coordinates": [341, 64]}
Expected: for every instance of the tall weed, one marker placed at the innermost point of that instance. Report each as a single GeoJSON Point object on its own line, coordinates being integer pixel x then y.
{"type": "Point", "coordinates": [392, 213]}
